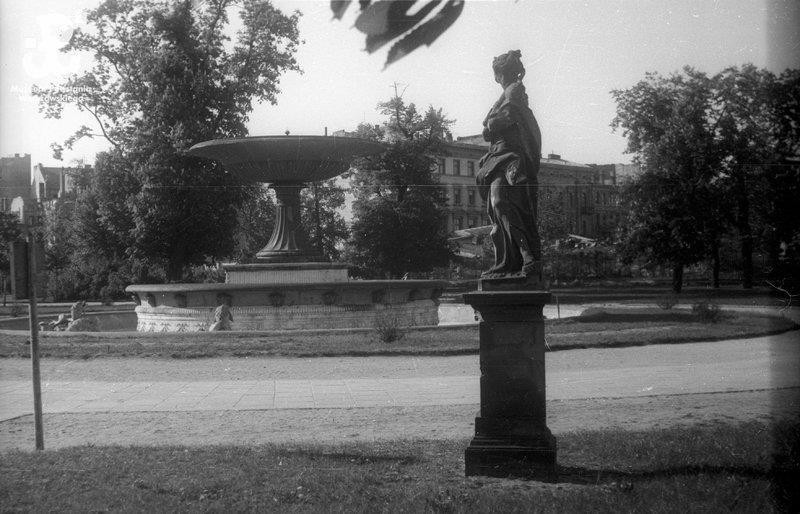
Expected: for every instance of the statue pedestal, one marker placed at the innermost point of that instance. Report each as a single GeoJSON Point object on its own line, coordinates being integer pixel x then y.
{"type": "Point", "coordinates": [511, 434]}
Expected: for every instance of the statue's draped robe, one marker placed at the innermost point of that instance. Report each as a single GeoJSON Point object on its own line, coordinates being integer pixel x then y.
{"type": "Point", "coordinates": [508, 180]}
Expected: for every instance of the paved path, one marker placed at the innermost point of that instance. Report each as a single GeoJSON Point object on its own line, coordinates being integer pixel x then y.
{"type": "Point", "coordinates": [742, 365]}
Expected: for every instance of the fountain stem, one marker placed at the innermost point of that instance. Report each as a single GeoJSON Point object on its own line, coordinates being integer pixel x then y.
{"type": "Point", "coordinates": [283, 245]}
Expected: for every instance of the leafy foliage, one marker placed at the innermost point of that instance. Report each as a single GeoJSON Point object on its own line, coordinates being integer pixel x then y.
{"type": "Point", "coordinates": [9, 232]}
{"type": "Point", "coordinates": [553, 219]}
{"type": "Point", "coordinates": [255, 221]}
{"type": "Point", "coordinates": [665, 120]}
{"type": "Point", "coordinates": [385, 20]}
{"type": "Point", "coordinates": [710, 147]}
{"type": "Point", "coordinates": [399, 221]}
{"type": "Point", "coordinates": [166, 77]}
{"type": "Point", "coordinates": [387, 327]}
{"type": "Point", "coordinates": [321, 214]}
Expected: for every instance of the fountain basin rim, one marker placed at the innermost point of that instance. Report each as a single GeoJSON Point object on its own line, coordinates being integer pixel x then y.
{"type": "Point", "coordinates": [286, 159]}
{"type": "Point", "coordinates": [280, 266]}
{"type": "Point", "coordinates": [350, 284]}
{"type": "Point", "coordinates": [283, 138]}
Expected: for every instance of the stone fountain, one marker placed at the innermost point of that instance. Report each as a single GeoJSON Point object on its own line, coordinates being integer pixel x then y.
{"type": "Point", "coordinates": [286, 286]}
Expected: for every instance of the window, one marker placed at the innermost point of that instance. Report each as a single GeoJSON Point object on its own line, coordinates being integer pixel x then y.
{"type": "Point", "coordinates": [456, 167]}
{"type": "Point", "coordinates": [456, 197]}
{"type": "Point", "coordinates": [471, 197]}
{"type": "Point", "coordinates": [472, 222]}
{"type": "Point", "coordinates": [459, 222]}
{"type": "Point", "coordinates": [440, 162]}
{"type": "Point", "coordinates": [471, 168]}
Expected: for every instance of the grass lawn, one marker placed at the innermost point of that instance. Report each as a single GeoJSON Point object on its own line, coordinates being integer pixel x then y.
{"type": "Point", "coordinates": [745, 468]}
{"type": "Point", "coordinates": [595, 329]}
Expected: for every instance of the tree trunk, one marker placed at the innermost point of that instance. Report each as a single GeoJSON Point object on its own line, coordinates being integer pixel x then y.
{"type": "Point", "coordinates": [677, 278]}
{"type": "Point", "coordinates": [715, 264]}
{"type": "Point", "coordinates": [747, 260]}
{"type": "Point", "coordinates": [743, 226]}
{"type": "Point", "coordinates": [174, 270]}
{"type": "Point", "coordinates": [317, 220]}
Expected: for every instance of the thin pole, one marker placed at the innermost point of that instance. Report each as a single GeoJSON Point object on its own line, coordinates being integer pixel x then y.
{"type": "Point", "coordinates": [37, 378]}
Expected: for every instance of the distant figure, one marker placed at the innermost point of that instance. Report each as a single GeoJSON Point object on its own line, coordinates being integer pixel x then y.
{"type": "Point", "coordinates": [58, 325]}
{"type": "Point", "coordinates": [85, 324]}
{"type": "Point", "coordinates": [77, 322]}
{"type": "Point", "coordinates": [508, 173]}
{"type": "Point", "coordinates": [222, 318]}
{"type": "Point", "coordinates": [77, 310]}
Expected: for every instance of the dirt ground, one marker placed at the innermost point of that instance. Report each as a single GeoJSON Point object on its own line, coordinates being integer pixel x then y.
{"type": "Point", "coordinates": [336, 426]}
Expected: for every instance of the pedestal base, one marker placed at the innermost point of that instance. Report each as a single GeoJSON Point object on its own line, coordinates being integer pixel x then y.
{"type": "Point", "coordinates": [502, 459]}
{"type": "Point", "coordinates": [511, 434]}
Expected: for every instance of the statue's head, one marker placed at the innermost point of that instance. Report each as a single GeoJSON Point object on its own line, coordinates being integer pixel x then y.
{"type": "Point", "coordinates": [508, 67]}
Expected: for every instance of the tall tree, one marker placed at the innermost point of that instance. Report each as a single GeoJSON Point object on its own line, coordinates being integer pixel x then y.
{"type": "Point", "coordinates": [322, 206]}
{"type": "Point", "coordinates": [662, 223]}
{"type": "Point", "coordinates": [729, 137]}
{"type": "Point", "coordinates": [399, 221]}
{"type": "Point", "coordinates": [9, 232]}
{"type": "Point", "coordinates": [256, 219]}
{"type": "Point", "coordinates": [755, 120]}
{"type": "Point", "coordinates": [166, 77]}
{"type": "Point", "coordinates": [672, 203]}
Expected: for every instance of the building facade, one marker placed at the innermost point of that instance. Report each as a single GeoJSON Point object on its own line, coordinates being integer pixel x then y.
{"type": "Point", "coordinates": [585, 197]}
{"type": "Point", "coordinates": [456, 169]}
{"type": "Point", "coordinates": [51, 183]}
{"type": "Point", "coordinates": [15, 179]}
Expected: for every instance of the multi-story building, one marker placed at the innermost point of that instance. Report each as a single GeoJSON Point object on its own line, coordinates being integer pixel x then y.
{"type": "Point", "coordinates": [584, 195]}
{"type": "Point", "coordinates": [23, 189]}
{"type": "Point", "coordinates": [50, 183]}
{"type": "Point", "coordinates": [15, 179]}
{"type": "Point", "coordinates": [456, 170]}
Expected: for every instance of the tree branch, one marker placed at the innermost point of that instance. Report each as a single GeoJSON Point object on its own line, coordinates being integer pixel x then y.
{"type": "Point", "coordinates": [100, 123]}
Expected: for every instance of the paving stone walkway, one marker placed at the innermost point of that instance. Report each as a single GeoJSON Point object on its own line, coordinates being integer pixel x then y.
{"type": "Point", "coordinates": [738, 365]}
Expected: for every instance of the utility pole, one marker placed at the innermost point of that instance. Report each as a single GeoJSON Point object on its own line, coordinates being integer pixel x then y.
{"type": "Point", "coordinates": [34, 326]}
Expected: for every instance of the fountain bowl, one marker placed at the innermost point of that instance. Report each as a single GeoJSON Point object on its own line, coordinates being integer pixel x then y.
{"type": "Point", "coordinates": [276, 159]}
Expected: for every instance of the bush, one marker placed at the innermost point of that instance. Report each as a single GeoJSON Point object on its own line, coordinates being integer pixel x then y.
{"type": "Point", "coordinates": [667, 302]}
{"type": "Point", "coordinates": [707, 312]}
{"type": "Point", "coordinates": [204, 274]}
{"type": "Point", "coordinates": [387, 326]}
{"type": "Point", "coordinates": [98, 279]}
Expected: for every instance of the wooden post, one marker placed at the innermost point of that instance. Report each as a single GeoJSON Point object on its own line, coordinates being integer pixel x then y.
{"type": "Point", "coordinates": [34, 326]}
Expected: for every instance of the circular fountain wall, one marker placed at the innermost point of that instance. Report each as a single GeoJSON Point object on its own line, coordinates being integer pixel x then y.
{"type": "Point", "coordinates": [287, 287]}
{"type": "Point", "coordinates": [352, 304]}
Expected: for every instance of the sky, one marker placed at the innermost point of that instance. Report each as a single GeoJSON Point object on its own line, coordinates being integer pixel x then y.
{"type": "Point", "coordinates": [575, 53]}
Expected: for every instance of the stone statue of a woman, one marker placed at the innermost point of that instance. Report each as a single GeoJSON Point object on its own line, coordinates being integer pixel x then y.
{"type": "Point", "coordinates": [508, 174]}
